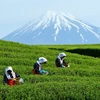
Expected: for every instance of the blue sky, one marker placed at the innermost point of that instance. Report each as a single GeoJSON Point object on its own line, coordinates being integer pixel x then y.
{"type": "Point", "coordinates": [15, 13]}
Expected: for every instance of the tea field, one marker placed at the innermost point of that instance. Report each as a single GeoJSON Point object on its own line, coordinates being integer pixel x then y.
{"type": "Point", "coordinates": [79, 82]}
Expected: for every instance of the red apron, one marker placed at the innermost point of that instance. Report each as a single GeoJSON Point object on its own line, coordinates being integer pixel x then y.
{"type": "Point", "coordinates": [11, 82]}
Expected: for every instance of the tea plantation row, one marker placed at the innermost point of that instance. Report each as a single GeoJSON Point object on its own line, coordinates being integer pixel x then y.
{"type": "Point", "coordinates": [79, 82]}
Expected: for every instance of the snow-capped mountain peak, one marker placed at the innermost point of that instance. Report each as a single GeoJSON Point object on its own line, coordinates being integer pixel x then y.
{"type": "Point", "coordinates": [59, 28]}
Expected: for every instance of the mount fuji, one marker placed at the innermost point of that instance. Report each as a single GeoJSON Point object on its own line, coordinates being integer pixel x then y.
{"type": "Point", "coordinates": [56, 28]}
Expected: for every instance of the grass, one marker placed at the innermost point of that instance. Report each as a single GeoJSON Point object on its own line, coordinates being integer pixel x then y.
{"type": "Point", "coordinates": [79, 82]}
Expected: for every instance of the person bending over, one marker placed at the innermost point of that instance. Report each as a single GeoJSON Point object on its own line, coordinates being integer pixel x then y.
{"type": "Point", "coordinates": [38, 66]}
{"type": "Point", "coordinates": [60, 61]}
{"type": "Point", "coordinates": [11, 78]}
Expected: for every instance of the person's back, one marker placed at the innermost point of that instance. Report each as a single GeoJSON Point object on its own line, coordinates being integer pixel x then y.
{"type": "Point", "coordinates": [37, 67]}
{"type": "Point", "coordinates": [58, 63]}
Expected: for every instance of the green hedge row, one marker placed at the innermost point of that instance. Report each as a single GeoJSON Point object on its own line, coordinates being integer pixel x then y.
{"type": "Point", "coordinates": [52, 91]}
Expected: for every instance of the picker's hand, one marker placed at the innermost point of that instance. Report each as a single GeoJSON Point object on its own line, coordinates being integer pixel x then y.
{"type": "Point", "coordinates": [14, 79]}
{"type": "Point", "coordinates": [18, 78]}
{"type": "Point", "coordinates": [47, 73]}
{"type": "Point", "coordinates": [68, 65]}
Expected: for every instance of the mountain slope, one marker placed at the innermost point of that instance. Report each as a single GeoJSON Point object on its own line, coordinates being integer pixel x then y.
{"type": "Point", "coordinates": [56, 28]}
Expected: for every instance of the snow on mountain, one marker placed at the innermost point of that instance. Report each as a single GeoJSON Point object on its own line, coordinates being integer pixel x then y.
{"type": "Point", "coordinates": [56, 28]}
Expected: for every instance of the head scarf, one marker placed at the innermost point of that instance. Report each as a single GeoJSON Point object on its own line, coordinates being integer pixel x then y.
{"type": "Point", "coordinates": [12, 73]}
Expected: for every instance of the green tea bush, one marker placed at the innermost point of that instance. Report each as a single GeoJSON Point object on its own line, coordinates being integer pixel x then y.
{"type": "Point", "coordinates": [79, 82]}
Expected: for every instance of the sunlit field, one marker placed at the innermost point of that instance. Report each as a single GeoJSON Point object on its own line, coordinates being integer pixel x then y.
{"type": "Point", "coordinates": [79, 82]}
